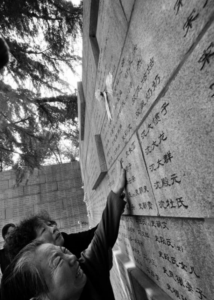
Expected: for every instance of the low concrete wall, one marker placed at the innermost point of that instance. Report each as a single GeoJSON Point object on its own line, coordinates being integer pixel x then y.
{"type": "Point", "coordinates": [56, 189]}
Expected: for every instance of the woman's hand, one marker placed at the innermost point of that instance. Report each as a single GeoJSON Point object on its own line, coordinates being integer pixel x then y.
{"type": "Point", "coordinates": [120, 179]}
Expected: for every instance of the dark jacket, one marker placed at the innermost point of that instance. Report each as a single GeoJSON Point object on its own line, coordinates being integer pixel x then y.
{"type": "Point", "coordinates": [78, 242]}
{"type": "Point", "coordinates": [95, 259]}
{"type": "Point", "coordinates": [4, 260]}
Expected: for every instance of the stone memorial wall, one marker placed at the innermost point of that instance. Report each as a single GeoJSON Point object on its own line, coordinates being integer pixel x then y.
{"type": "Point", "coordinates": [149, 98]}
{"type": "Point", "coordinates": [56, 189]}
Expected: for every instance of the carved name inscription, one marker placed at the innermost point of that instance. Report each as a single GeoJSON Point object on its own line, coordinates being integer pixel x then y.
{"type": "Point", "coordinates": [170, 254]}
{"type": "Point", "coordinates": [177, 139]}
{"type": "Point", "coordinates": [139, 191]}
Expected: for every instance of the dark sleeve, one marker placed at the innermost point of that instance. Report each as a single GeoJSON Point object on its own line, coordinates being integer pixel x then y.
{"type": "Point", "coordinates": [106, 234]}
{"type": "Point", "coordinates": [78, 242]}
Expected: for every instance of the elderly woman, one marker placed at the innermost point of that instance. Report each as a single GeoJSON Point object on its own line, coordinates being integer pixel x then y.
{"type": "Point", "coordinates": [43, 228]}
{"type": "Point", "coordinates": [46, 271]}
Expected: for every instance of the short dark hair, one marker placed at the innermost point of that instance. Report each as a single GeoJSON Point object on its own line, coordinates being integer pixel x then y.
{"type": "Point", "coordinates": [4, 53]}
{"type": "Point", "coordinates": [25, 232]}
{"type": "Point", "coordinates": [23, 279]}
{"type": "Point", "coordinates": [5, 229]}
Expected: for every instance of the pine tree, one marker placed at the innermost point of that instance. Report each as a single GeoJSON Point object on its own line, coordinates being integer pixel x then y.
{"type": "Point", "coordinates": [40, 35]}
{"type": "Point", "coordinates": [30, 128]}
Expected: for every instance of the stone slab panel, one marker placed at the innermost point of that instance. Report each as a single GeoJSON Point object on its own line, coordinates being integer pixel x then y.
{"type": "Point", "coordinates": [139, 191]}
{"type": "Point", "coordinates": [153, 52]}
{"type": "Point", "coordinates": [177, 254]}
{"type": "Point", "coordinates": [111, 33]}
{"type": "Point", "coordinates": [91, 81]}
{"type": "Point", "coordinates": [115, 135]}
{"type": "Point", "coordinates": [6, 175]}
{"type": "Point", "coordinates": [177, 139]}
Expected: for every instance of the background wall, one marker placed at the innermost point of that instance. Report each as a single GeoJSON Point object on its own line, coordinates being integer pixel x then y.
{"type": "Point", "coordinates": [161, 58]}
{"type": "Point", "coordinates": [56, 189]}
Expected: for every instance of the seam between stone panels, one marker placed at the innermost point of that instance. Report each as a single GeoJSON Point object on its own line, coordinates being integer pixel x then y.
{"type": "Point", "coordinates": [123, 9]}
{"type": "Point", "coordinates": [158, 213]}
{"type": "Point", "coordinates": [121, 54]}
{"type": "Point", "coordinates": [172, 77]}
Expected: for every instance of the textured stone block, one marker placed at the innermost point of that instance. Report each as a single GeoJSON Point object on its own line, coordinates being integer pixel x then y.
{"type": "Point", "coordinates": [48, 187]}
{"type": "Point", "coordinates": [8, 214]}
{"type": "Point", "coordinates": [2, 214]}
{"type": "Point", "coordinates": [32, 189]}
{"type": "Point", "coordinates": [4, 185]}
{"type": "Point", "coordinates": [13, 193]}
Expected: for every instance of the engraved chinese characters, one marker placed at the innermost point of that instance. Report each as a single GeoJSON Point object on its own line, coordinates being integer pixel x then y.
{"type": "Point", "coordinates": [175, 253]}
{"type": "Point", "coordinates": [139, 191]}
{"type": "Point", "coordinates": [177, 138]}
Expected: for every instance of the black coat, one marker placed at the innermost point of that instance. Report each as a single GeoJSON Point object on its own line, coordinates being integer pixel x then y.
{"type": "Point", "coordinates": [94, 261]}
{"type": "Point", "coordinates": [78, 242]}
{"type": "Point", "coordinates": [4, 260]}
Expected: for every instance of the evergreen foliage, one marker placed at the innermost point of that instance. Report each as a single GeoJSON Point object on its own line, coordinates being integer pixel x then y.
{"type": "Point", "coordinates": [32, 128]}
{"type": "Point", "coordinates": [40, 35]}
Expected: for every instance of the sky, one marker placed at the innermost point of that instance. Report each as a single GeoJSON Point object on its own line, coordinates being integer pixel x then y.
{"type": "Point", "coordinates": [70, 77]}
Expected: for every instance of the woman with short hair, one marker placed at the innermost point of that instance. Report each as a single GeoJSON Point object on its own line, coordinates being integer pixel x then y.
{"type": "Point", "coordinates": [41, 226]}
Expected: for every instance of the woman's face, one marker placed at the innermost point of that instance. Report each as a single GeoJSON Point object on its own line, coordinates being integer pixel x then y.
{"type": "Point", "coordinates": [63, 275]}
{"type": "Point", "coordinates": [49, 233]}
